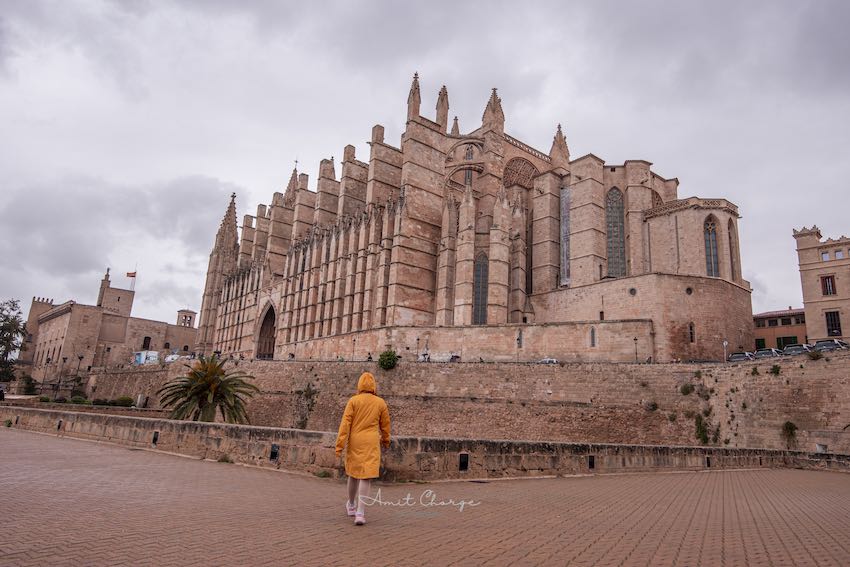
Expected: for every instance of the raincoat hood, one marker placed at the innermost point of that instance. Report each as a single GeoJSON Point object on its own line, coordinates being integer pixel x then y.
{"type": "Point", "coordinates": [366, 383]}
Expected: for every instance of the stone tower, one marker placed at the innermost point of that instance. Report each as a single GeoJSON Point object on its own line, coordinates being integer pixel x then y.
{"type": "Point", "coordinates": [223, 262]}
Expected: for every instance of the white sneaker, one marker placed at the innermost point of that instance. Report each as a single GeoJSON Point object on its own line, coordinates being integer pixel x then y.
{"type": "Point", "coordinates": [359, 520]}
{"type": "Point", "coordinates": [350, 510]}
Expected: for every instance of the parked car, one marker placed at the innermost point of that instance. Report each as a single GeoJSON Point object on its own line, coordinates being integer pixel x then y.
{"type": "Point", "coordinates": [767, 353]}
{"type": "Point", "coordinates": [548, 360]}
{"type": "Point", "coordinates": [741, 357]}
{"type": "Point", "coordinates": [826, 345]}
{"type": "Point", "coordinates": [793, 350]}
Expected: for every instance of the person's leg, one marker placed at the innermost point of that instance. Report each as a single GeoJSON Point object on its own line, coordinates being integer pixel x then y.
{"type": "Point", "coordinates": [353, 484]}
{"type": "Point", "coordinates": [363, 493]}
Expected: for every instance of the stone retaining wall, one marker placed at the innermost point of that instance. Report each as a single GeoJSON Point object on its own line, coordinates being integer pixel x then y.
{"type": "Point", "coordinates": [409, 458]}
{"type": "Point", "coordinates": [577, 402]}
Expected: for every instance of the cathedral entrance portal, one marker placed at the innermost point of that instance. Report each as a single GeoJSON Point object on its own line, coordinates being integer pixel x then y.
{"type": "Point", "coordinates": [265, 343]}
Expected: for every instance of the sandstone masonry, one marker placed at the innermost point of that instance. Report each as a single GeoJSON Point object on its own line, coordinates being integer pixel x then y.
{"type": "Point", "coordinates": [478, 243]}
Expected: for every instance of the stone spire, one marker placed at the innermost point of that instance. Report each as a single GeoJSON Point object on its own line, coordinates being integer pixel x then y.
{"type": "Point", "coordinates": [226, 236]}
{"type": "Point", "coordinates": [443, 108]}
{"type": "Point", "coordinates": [493, 115]}
{"type": "Point", "coordinates": [293, 180]}
{"type": "Point", "coordinates": [223, 262]}
{"type": "Point", "coordinates": [560, 153]}
{"type": "Point", "coordinates": [455, 128]}
{"type": "Point", "coordinates": [414, 99]}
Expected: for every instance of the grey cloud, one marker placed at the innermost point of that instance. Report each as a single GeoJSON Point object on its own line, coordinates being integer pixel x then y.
{"type": "Point", "coordinates": [744, 100]}
{"type": "Point", "coordinates": [75, 227]}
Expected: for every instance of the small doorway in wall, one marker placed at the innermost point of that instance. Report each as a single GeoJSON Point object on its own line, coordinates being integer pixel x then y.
{"type": "Point", "coordinates": [265, 342]}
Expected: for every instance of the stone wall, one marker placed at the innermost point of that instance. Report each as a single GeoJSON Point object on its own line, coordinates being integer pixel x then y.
{"type": "Point", "coordinates": [582, 402]}
{"type": "Point", "coordinates": [408, 458]}
{"type": "Point", "coordinates": [504, 343]}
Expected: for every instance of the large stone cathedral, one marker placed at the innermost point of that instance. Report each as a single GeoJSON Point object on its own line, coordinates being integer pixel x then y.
{"type": "Point", "coordinates": [476, 246]}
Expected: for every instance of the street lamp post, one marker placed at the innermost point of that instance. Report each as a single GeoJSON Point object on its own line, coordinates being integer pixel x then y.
{"type": "Point", "coordinates": [725, 344]}
{"type": "Point", "coordinates": [636, 358]}
{"type": "Point", "coordinates": [44, 375]}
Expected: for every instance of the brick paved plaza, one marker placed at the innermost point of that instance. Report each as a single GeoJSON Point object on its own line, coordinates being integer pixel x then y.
{"type": "Point", "coordinates": [70, 502]}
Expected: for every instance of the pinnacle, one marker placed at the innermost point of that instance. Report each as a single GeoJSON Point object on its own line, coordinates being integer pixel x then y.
{"type": "Point", "coordinates": [494, 107]}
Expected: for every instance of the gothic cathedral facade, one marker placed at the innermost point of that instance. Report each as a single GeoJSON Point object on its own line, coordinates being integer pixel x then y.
{"type": "Point", "coordinates": [477, 247]}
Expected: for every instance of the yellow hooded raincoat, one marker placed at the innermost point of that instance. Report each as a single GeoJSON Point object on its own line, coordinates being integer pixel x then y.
{"type": "Point", "coordinates": [365, 424]}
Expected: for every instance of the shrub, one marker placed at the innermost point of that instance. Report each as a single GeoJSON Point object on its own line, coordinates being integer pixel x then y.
{"type": "Point", "coordinates": [814, 355]}
{"type": "Point", "coordinates": [743, 405]}
{"type": "Point", "coordinates": [8, 423]}
{"type": "Point", "coordinates": [44, 398]}
{"type": "Point", "coordinates": [789, 431]}
{"type": "Point", "coordinates": [60, 400]}
{"type": "Point", "coordinates": [686, 389]}
{"type": "Point", "coordinates": [706, 412]}
{"type": "Point", "coordinates": [388, 359]}
{"type": "Point", "coordinates": [726, 441]}
{"type": "Point", "coordinates": [123, 401]}
{"type": "Point", "coordinates": [323, 474]}
{"type": "Point", "coordinates": [100, 402]}
{"type": "Point", "coordinates": [775, 369]}
{"type": "Point", "coordinates": [79, 400]}
{"type": "Point", "coordinates": [700, 429]}
{"type": "Point", "coordinates": [78, 394]}
{"type": "Point", "coordinates": [672, 416]}
{"type": "Point", "coordinates": [225, 458]}
{"type": "Point", "coordinates": [651, 406]}
{"type": "Point", "coordinates": [29, 385]}
{"type": "Point", "coordinates": [754, 371]}
{"type": "Point", "coordinates": [698, 374]}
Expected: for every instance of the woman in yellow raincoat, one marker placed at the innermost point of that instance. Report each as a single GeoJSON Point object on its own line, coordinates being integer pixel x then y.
{"type": "Point", "coordinates": [365, 425]}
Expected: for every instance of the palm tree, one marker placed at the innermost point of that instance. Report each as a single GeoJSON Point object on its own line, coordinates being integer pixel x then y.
{"type": "Point", "coordinates": [207, 388]}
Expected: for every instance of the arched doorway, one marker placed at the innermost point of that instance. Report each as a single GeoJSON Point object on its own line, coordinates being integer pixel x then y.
{"type": "Point", "coordinates": [265, 342]}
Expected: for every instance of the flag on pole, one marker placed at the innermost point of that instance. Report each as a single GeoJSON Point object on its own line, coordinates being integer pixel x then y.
{"type": "Point", "coordinates": [131, 274]}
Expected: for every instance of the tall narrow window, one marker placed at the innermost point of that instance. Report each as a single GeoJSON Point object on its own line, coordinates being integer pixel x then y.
{"type": "Point", "coordinates": [827, 285]}
{"type": "Point", "coordinates": [479, 290]}
{"type": "Point", "coordinates": [692, 335]}
{"type": "Point", "coordinates": [593, 336]}
{"type": "Point", "coordinates": [565, 236]}
{"type": "Point", "coordinates": [733, 249]}
{"type": "Point", "coordinates": [712, 265]}
{"type": "Point", "coordinates": [833, 324]}
{"type": "Point", "coordinates": [467, 179]}
{"type": "Point", "coordinates": [146, 343]}
{"type": "Point", "coordinates": [616, 234]}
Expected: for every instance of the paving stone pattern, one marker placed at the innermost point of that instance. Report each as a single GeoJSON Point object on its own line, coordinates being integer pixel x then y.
{"type": "Point", "coordinates": [70, 502]}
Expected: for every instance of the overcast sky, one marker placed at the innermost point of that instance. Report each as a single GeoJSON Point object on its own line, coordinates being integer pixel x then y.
{"type": "Point", "coordinates": [124, 126]}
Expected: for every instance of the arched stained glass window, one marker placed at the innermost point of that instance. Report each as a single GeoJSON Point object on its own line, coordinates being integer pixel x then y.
{"type": "Point", "coordinates": [712, 265]}
{"type": "Point", "coordinates": [616, 234]}
{"type": "Point", "coordinates": [479, 290]}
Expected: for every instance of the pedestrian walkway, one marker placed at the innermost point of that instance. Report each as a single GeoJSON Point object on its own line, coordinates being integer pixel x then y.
{"type": "Point", "coordinates": [70, 502]}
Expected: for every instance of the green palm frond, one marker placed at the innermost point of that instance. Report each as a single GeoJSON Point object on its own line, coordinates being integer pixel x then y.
{"type": "Point", "coordinates": [208, 388]}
